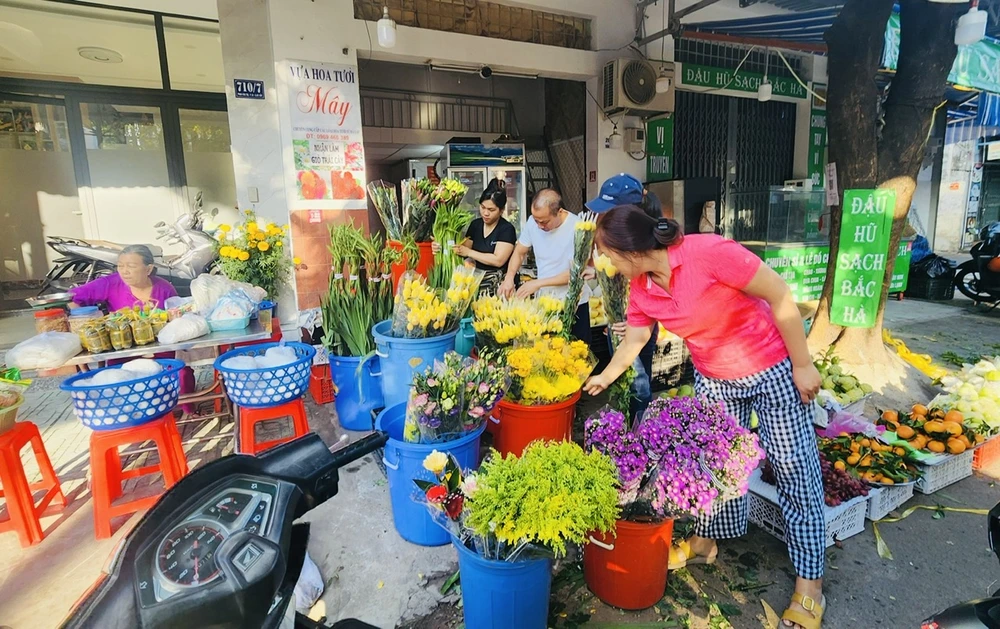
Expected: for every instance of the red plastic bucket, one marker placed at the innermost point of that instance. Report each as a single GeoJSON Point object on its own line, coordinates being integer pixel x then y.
{"type": "Point", "coordinates": [629, 570]}
{"type": "Point", "coordinates": [514, 426]}
{"type": "Point", "coordinates": [424, 263]}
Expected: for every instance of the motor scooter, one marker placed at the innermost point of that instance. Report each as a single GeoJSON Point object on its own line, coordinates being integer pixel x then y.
{"type": "Point", "coordinates": [979, 614]}
{"type": "Point", "coordinates": [85, 260]}
{"type": "Point", "coordinates": [221, 548]}
{"type": "Point", "coordinates": [979, 278]}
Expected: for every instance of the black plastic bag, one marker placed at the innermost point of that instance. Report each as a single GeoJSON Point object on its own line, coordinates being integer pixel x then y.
{"type": "Point", "coordinates": [934, 266]}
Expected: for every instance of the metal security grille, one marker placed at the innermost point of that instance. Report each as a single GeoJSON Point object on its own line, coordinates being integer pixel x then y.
{"type": "Point", "coordinates": [744, 144]}
{"type": "Point", "coordinates": [435, 112]}
{"type": "Point", "coordinates": [484, 19]}
{"type": "Point", "coordinates": [701, 137]}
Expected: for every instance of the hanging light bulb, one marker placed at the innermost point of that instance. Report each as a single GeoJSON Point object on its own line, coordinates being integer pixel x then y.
{"type": "Point", "coordinates": [971, 26]}
{"type": "Point", "coordinates": [764, 90]}
{"type": "Point", "coordinates": [662, 82]}
{"type": "Point", "coordinates": [386, 30]}
{"type": "Point", "coordinates": [615, 139]}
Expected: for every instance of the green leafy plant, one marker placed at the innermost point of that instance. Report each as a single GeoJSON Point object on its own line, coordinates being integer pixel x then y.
{"type": "Point", "coordinates": [554, 494]}
{"type": "Point", "coordinates": [450, 226]}
{"type": "Point", "coordinates": [254, 252]}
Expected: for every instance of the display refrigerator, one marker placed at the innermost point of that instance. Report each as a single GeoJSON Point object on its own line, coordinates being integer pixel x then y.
{"type": "Point", "coordinates": [475, 165]}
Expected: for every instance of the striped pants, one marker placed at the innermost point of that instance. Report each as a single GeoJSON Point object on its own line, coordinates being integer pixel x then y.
{"type": "Point", "coordinates": [788, 438]}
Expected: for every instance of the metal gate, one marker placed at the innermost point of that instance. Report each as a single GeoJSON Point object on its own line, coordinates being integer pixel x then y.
{"type": "Point", "coordinates": [745, 144]}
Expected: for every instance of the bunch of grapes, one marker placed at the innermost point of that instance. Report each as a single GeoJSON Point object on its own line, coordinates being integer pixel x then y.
{"type": "Point", "coordinates": [838, 486]}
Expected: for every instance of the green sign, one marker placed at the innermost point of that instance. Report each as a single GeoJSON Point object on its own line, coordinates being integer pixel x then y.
{"type": "Point", "coordinates": [861, 260]}
{"type": "Point", "coordinates": [695, 75]}
{"type": "Point", "coordinates": [817, 140]}
{"type": "Point", "coordinates": [976, 65]}
{"type": "Point", "coordinates": [803, 267]}
{"type": "Point", "coordinates": [660, 149]}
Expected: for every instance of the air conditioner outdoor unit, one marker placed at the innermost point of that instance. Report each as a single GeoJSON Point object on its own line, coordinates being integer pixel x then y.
{"type": "Point", "coordinates": [631, 84]}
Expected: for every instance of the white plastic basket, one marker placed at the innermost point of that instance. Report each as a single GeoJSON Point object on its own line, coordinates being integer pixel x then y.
{"type": "Point", "coordinates": [842, 521]}
{"type": "Point", "coordinates": [951, 471]}
{"type": "Point", "coordinates": [883, 500]}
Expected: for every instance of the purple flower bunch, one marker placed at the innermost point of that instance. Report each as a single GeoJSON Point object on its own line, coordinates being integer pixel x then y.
{"type": "Point", "coordinates": [487, 381]}
{"type": "Point", "coordinates": [699, 452]}
{"type": "Point", "coordinates": [608, 433]}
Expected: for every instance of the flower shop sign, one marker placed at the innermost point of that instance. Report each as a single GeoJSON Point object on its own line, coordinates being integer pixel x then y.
{"type": "Point", "coordinates": [861, 260]}
{"type": "Point", "coordinates": [324, 131]}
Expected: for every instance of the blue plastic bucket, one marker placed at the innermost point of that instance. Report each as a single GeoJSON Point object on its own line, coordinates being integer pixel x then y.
{"type": "Point", "coordinates": [501, 594]}
{"type": "Point", "coordinates": [466, 338]}
{"type": "Point", "coordinates": [358, 390]}
{"type": "Point", "coordinates": [405, 462]}
{"type": "Point", "coordinates": [401, 358]}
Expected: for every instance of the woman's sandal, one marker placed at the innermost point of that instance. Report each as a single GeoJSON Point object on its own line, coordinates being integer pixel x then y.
{"type": "Point", "coordinates": [812, 618]}
{"type": "Point", "coordinates": [681, 555]}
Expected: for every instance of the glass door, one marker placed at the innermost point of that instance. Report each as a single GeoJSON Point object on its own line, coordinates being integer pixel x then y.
{"type": "Point", "coordinates": [130, 187]}
{"type": "Point", "coordinates": [208, 163]}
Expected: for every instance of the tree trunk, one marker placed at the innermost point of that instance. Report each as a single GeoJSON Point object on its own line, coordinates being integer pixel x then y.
{"type": "Point", "coordinates": [890, 159]}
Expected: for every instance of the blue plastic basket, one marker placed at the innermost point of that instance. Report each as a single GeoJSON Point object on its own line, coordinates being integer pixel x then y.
{"type": "Point", "coordinates": [125, 404]}
{"type": "Point", "coordinates": [258, 388]}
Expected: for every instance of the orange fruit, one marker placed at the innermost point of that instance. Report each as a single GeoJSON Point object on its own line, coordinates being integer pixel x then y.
{"type": "Point", "coordinates": [840, 465]}
{"type": "Point", "coordinates": [866, 462]}
{"type": "Point", "coordinates": [955, 446]}
{"type": "Point", "coordinates": [855, 446]}
{"type": "Point", "coordinates": [888, 481]}
{"type": "Point", "coordinates": [899, 451]}
{"type": "Point", "coordinates": [905, 432]}
{"type": "Point", "coordinates": [937, 413]}
{"type": "Point", "coordinates": [936, 446]}
{"type": "Point", "coordinates": [853, 459]}
{"type": "Point", "coordinates": [952, 428]}
{"type": "Point", "coordinates": [965, 440]}
{"type": "Point", "coordinates": [954, 416]}
{"type": "Point", "coordinates": [919, 442]}
{"type": "Point", "coordinates": [919, 409]}
{"type": "Point", "coordinates": [980, 438]}
{"type": "Point", "coordinates": [933, 426]}
{"type": "Point", "coordinates": [866, 443]}
{"type": "Point", "coordinates": [890, 416]}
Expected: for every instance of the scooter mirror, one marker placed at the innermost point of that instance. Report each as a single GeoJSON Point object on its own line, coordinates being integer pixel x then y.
{"type": "Point", "coordinates": [994, 530]}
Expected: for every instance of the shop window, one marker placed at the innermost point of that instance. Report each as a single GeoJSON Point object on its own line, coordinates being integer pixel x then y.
{"type": "Point", "coordinates": [77, 44]}
{"type": "Point", "coordinates": [194, 55]}
{"type": "Point", "coordinates": [38, 194]}
{"type": "Point", "coordinates": [486, 19]}
{"type": "Point", "coordinates": [208, 161]}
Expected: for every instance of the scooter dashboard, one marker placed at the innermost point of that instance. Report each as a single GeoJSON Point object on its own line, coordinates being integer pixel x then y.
{"type": "Point", "coordinates": [184, 556]}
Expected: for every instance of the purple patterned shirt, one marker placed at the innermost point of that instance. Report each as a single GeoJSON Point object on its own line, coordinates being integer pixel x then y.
{"type": "Point", "coordinates": [117, 294]}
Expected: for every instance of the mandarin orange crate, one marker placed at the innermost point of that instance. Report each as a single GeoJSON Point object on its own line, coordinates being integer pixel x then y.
{"type": "Point", "coordinates": [321, 384]}
{"type": "Point", "coordinates": [986, 454]}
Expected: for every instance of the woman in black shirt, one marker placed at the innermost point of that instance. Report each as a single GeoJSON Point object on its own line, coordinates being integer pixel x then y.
{"type": "Point", "coordinates": [489, 241]}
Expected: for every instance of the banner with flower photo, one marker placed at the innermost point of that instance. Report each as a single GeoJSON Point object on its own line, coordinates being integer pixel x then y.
{"type": "Point", "coordinates": [322, 132]}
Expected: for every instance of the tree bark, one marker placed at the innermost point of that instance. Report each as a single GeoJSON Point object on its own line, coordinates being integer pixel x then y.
{"type": "Point", "coordinates": [892, 161]}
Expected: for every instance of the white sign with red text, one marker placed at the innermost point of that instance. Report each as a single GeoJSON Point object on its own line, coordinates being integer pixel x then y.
{"type": "Point", "coordinates": [324, 115]}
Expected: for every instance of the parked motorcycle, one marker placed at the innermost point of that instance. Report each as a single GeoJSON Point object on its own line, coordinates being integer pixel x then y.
{"type": "Point", "coordinates": [979, 278]}
{"type": "Point", "coordinates": [85, 260]}
{"type": "Point", "coordinates": [221, 548]}
{"type": "Point", "coordinates": [981, 614]}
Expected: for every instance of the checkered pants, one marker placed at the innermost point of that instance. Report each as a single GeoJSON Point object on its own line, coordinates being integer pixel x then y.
{"type": "Point", "coordinates": [788, 438]}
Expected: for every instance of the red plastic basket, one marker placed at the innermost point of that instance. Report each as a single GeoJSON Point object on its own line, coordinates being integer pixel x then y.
{"type": "Point", "coordinates": [321, 384]}
{"type": "Point", "coordinates": [987, 454]}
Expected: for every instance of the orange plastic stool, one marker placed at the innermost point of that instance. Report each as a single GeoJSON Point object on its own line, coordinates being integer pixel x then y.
{"type": "Point", "coordinates": [250, 417]}
{"type": "Point", "coordinates": [21, 507]}
{"type": "Point", "coordinates": [107, 474]}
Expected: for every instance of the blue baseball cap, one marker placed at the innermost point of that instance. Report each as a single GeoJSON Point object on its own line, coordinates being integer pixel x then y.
{"type": "Point", "coordinates": [618, 190]}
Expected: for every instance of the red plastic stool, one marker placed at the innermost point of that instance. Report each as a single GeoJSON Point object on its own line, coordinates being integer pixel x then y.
{"type": "Point", "coordinates": [250, 417]}
{"type": "Point", "coordinates": [107, 475]}
{"type": "Point", "coordinates": [22, 510]}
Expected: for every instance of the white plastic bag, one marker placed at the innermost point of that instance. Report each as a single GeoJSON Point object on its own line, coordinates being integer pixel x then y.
{"type": "Point", "coordinates": [208, 289]}
{"type": "Point", "coordinates": [47, 350]}
{"type": "Point", "coordinates": [235, 304]}
{"type": "Point", "coordinates": [309, 587]}
{"type": "Point", "coordinates": [240, 362]}
{"type": "Point", "coordinates": [142, 367]}
{"type": "Point", "coordinates": [188, 327]}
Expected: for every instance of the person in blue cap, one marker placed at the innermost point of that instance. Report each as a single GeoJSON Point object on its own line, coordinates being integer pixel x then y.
{"type": "Point", "coordinates": [625, 189]}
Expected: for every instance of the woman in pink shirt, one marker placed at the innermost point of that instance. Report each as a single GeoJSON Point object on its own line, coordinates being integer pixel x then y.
{"type": "Point", "coordinates": [747, 342]}
{"type": "Point", "coordinates": [134, 283]}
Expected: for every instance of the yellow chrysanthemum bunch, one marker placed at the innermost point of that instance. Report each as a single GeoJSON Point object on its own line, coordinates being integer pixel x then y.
{"type": "Point", "coordinates": [586, 226]}
{"type": "Point", "coordinates": [500, 322]}
{"type": "Point", "coordinates": [252, 252]}
{"type": "Point", "coordinates": [548, 370]}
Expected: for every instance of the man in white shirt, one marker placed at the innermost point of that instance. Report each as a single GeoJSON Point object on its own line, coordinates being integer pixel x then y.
{"type": "Point", "coordinates": [549, 232]}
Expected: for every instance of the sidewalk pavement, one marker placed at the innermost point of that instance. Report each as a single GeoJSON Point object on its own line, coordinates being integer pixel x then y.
{"type": "Point", "coordinates": [372, 574]}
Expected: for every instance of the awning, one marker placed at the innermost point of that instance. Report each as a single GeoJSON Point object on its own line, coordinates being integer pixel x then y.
{"type": "Point", "coordinates": [804, 27]}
